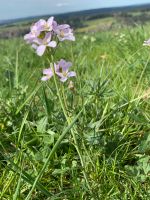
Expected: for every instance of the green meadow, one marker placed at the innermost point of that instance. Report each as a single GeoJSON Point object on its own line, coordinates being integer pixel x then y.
{"type": "Point", "coordinates": [102, 150]}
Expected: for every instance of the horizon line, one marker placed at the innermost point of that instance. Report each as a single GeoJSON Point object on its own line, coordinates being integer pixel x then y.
{"type": "Point", "coordinates": [13, 20]}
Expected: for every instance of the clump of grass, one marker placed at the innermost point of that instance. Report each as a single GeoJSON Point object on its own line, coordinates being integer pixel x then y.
{"type": "Point", "coordinates": [112, 128]}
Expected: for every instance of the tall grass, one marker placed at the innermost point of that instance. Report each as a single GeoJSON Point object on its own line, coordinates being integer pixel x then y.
{"type": "Point", "coordinates": [113, 78]}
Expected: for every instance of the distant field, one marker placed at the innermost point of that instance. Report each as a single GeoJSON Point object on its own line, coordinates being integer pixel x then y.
{"type": "Point", "coordinates": [82, 24]}
{"type": "Point", "coordinates": [112, 130]}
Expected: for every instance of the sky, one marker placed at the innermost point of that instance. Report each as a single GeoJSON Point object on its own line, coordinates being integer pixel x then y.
{"type": "Point", "coordinates": [12, 9]}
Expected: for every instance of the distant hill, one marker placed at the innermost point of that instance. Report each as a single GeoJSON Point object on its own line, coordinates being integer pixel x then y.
{"type": "Point", "coordinates": [102, 12]}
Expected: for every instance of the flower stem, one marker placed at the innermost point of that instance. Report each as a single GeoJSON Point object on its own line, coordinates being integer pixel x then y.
{"type": "Point", "coordinates": [51, 154]}
{"type": "Point", "coordinates": [64, 98]}
{"type": "Point", "coordinates": [72, 130]}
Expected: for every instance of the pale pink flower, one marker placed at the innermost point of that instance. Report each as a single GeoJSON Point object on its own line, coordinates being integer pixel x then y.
{"type": "Point", "coordinates": [62, 70]}
{"type": "Point", "coordinates": [34, 33]}
{"type": "Point", "coordinates": [48, 73]}
{"type": "Point", "coordinates": [41, 44]}
{"type": "Point", "coordinates": [64, 32]}
{"type": "Point", "coordinates": [44, 25]}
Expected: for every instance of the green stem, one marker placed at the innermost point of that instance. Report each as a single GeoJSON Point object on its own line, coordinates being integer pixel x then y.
{"type": "Point", "coordinates": [61, 137]}
{"type": "Point", "coordinates": [72, 131]}
{"type": "Point", "coordinates": [16, 71]}
{"type": "Point", "coordinates": [54, 149]}
{"type": "Point", "coordinates": [64, 98]}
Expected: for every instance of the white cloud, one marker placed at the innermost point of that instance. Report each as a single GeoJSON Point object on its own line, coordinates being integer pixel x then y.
{"type": "Point", "coordinates": [62, 4]}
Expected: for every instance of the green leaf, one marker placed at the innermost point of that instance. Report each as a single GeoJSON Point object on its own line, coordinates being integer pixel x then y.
{"type": "Point", "coordinates": [41, 125]}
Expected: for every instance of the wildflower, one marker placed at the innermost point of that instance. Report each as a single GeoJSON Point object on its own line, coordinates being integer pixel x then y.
{"type": "Point", "coordinates": [38, 27]}
{"type": "Point", "coordinates": [30, 37]}
{"type": "Point", "coordinates": [64, 32]}
{"type": "Point", "coordinates": [62, 70]}
{"type": "Point", "coordinates": [146, 42]}
{"type": "Point", "coordinates": [48, 73]}
{"type": "Point", "coordinates": [44, 25]}
{"type": "Point", "coordinates": [42, 33]}
{"type": "Point", "coordinates": [41, 44]}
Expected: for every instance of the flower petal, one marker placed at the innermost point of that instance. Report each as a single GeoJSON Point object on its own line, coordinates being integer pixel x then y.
{"type": "Point", "coordinates": [63, 79]}
{"type": "Point", "coordinates": [54, 26]}
{"type": "Point", "coordinates": [71, 37]}
{"type": "Point", "coordinates": [52, 44]}
{"type": "Point", "coordinates": [71, 74]}
{"type": "Point", "coordinates": [48, 72]}
{"type": "Point", "coordinates": [40, 24]}
{"type": "Point", "coordinates": [63, 26]}
{"type": "Point", "coordinates": [60, 74]}
{"type": "Point", "coordinates": [50, 21]}
{"type": "Point", "coordinates": [40, 50]}
{"type": "Point", "coordinates": [34, 46]}
{"type": "Point", "coordinates": [64, 65]}
{"type": "Point", "coordinates": [68, 65]}
{"type": "Point", "coordinates": [45, 78]}
{"type": "Point", "coordinates": [56, 68]}
{"type": "Point", "coordinates": [47, 38]}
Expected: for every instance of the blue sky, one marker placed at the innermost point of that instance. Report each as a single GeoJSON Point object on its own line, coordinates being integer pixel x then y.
{"type": "Point", "coordinates": [11, 9]}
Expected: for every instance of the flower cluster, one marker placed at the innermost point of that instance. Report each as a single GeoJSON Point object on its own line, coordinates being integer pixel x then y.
{"type": "Point", "coordinates": [61, 69]}
{"type": "Point", "coordinates": [45, 34]}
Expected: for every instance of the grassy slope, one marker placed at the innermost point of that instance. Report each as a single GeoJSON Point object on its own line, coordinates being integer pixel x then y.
{"type": "Point", "coordinates": [113, 72]}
